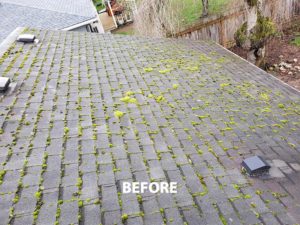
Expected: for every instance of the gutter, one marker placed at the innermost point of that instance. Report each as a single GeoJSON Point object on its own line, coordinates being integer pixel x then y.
{"type": "Point", "coordinates": [80, 24]}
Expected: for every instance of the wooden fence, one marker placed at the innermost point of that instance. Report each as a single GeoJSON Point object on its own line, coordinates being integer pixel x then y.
{"type": "Point", "coordinates": [221, 28]}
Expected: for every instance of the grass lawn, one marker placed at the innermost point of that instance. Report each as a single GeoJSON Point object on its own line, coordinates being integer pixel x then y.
{"type": "Point", "coordinates": [296, 33]}
{"type": "Point", "coordinates": [98, 4]}
{"type": "Point", "coordinates": [187, 12]}
{"type": "Point", "coordinates": [131, 32]}
{"type": "Point", "coordinates": [191, 10]}
{"type": "Point", "coordinates": [296, 41]}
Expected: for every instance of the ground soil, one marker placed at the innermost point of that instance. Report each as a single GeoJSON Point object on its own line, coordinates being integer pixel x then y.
{"type": "Point", "coordinates": [127, 29]}
{"type": "Point", "coordinates": [281, 50]}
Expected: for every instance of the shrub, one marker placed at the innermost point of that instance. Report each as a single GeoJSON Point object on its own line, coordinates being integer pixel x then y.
{"type": "Point", "coordinates": [263, 30]}
{"type": "Point", "coordinates": [240, 35]}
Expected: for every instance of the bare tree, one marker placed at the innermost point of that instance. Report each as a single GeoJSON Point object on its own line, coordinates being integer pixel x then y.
{"type": "Point", "coordinates": [204, 8]}
{"type": "Point", "coordinates": [255, 32]}
{"type": "Point", "coordinates": [157, 18]}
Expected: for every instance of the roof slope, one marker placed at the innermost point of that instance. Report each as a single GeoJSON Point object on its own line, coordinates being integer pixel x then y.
{"type": "Point", "coordinates": [78, 7]}
{"type": "Point", "coordinates": [43, 14]}
{"type": "Point", "coordinates": [193, 111]}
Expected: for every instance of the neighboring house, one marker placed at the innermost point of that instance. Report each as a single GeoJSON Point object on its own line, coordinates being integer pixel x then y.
{"type": "Point", "coordinates": [79, 15]}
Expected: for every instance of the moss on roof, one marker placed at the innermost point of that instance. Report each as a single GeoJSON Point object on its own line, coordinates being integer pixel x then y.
{"type": "Point", "coordinates": [71, 132]}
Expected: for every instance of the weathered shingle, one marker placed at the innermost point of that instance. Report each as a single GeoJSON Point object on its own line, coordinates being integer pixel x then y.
{"type": "Point", "coordinates": [92, 111]}
{"type": "Point", "coordinates": [43, 14]}
{"type": "Point", "coordinates": [78, 7]}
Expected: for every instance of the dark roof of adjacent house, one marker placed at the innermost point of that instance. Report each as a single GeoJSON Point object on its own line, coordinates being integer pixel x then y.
{"type": "Point", "coordinates": [91, 111]}
{"type": "Point", "coordinates": [43, 14]}
{"type": "Point", "coordinates": [78, 7]}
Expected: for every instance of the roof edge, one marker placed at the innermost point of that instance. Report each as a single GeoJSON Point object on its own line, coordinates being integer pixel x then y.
{"type": "Point", "coordinates": [9, 40]}
{"type": "Point", "coordinates": [74, 26]}
{"type": "Point", "coordinates": [294, 90]}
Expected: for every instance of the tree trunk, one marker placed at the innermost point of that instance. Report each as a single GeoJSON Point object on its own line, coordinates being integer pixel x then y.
{"type": "Point", "coordinates": [205, 8]}
{"type": "Point", "coordinates": [256, 54]}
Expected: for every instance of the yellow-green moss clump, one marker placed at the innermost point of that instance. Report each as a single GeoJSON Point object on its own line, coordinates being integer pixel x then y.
{"type": "Point", "coordinates": [240, 35]}
{"type": "Point", "coordinates": [263, 30]}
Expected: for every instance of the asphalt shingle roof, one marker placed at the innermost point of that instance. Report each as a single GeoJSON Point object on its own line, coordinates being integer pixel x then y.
{"type": "Point", "coordinates": [193, 112]}
{"type": "Point", "coordinates": [43, 14]}
{"type": "Point", "coordinates": [78, 7]}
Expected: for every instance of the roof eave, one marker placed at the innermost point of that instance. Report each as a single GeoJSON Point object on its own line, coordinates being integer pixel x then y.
{"type": "Point", "coordinates": [80, 24]}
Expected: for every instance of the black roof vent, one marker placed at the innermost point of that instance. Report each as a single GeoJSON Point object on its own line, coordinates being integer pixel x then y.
{"type": "Point", "coordinates": [4, 83]}
{"type": "Point", "coordinates": [255, 166]}
{"type": "Point", "coordinates": [26, 38]}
